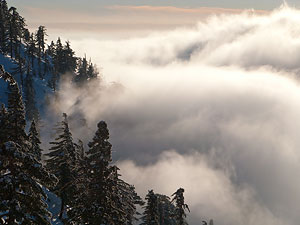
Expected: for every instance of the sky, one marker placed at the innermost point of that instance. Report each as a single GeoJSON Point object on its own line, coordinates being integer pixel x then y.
{"type": "Point", "coordinates": [82, 5]}
{"type": "Point", "coordinates": [119, 17]}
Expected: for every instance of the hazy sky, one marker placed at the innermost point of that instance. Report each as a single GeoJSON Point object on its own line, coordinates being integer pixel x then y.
{"type": "Point", "coordinates": [83, 5]}
{"type": "Point", "coordinates": [76, 19]}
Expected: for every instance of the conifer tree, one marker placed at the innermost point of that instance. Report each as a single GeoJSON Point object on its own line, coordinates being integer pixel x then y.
{"type": "Point", "coordinates": [16, 115]}
{"type": "Point", "coordinates": [70, 61]}
{"type": "Point", "coordinates": [31, 110]}
{"type": "Point", "coordinates": [40, 43]}
{"type": "Point", "coordinates": [35, 142]}
{"type": "Point", "coordinates": [151, 213]}
{"type": "Point", "coordinates": [4, 26]}
{"type": "Point", "coordinates": [166, 210]}
{"type": "Point", "coordinates": [30, 50]}
{"type": "Point", "coordinates": [61, 162]}
{"type": "Point", "coordinates": [101, 206]}
{"type": "Point", "coordinates": [178, 199]}
{"type": "Point", "coordinates": [16, 27]}
{"type": "Point", "coordinates": [51, 49]}
{"type": "Point", "coordinates": [21, 194]}
{"type": "Point", "coordinates": [101, 196]}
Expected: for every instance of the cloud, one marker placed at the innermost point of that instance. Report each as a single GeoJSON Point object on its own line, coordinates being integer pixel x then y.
{"type": "Point", "coordinates": [207, 190]}
{"type": "Point", "coordinates": [213, 108]}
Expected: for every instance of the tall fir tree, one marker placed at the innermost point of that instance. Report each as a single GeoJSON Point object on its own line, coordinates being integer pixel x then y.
{"type": "Point", "coordinates": [35, 142]}
{"type": "Point", "coordinates": [166, 210]}
{"type": "Point", "coordinates": [16, 115]}
{"type": "Point", "coordinates": [178, 199]}
{"type": "Point", "coordinates": [151, 213]}
{"type": "Point", "coordinates": [62, 162]}
{"type": "Point", "coordinates": [101, 196]}
{"type": "Point", "coordinates": [31, 111]}
{"type": "Point", "coordinates": [101, 207]}
{"type": "Point", "coordinates": [4, 26]}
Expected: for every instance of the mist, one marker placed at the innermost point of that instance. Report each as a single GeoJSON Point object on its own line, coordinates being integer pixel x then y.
{"type": "Point", "coordinates": [213, 109]}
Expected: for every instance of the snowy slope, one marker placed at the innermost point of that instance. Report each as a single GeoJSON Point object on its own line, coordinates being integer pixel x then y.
{"type": "Point", "coordinates": [40, 85]}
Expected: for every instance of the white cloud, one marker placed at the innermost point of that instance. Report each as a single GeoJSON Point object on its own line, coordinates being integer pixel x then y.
{"type": "Point", "coordinates": [224, 96]}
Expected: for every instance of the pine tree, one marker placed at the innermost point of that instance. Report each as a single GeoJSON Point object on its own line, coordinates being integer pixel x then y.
{"type": "Point", "coordinates": [101, 196]}
{"type": "Point", "coordinates": [4, 26]}
{"type": "Point", "coordinates": [16, 116]}
{"type": "Point", "coordinates": [92, 71]}
{"type": "Point", "coordinates": [35, 142]}
{"type": "Point", "coordinates": [151, 213]}
{"type": "Point", "coordinates": [180, 207]}
{"type": "Point", "coordinates": [30, 50]}
{"type": "Point", "coordinates": [70, 61]}
{"type": "Point", "coordinates": [62, 162]}
{"type": "Point", "coordinates": [31, 110]}
{"type": "Point", "coordinates": [85, 71]}
{"type": "Point", "coordinates": [166, 210]}
{"type": "Point", "coordinates": [51, 49]}
{"type": "Point", "coordinates": [21, 194]}
{"type": "Point", "coordinates": [124, 198]}
{"type": "Point", "coordinates": [101, 207]}
{"type": "Point", "coordinates": [16, 28]}
{"type": "Point", "coordinates": [40, 43]}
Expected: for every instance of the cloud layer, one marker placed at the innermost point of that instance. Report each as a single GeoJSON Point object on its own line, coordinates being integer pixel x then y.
{"type": "Point", "coordinates": [214, 109]}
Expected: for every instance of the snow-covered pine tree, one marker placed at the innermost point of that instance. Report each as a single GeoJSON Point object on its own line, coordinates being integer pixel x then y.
{"type": "Point", "coordinates": [35, 142]}
{"type": "Point", "coordinates": [62, 163]}
{"type": "Point", "coordinates": [101, 196]}
{"type": "Point", "coordinates": [101, 208]}
{"type": "Point", "coordinates": [16, 115]}
{"type": "Point", "coordinates": [178, 199]}
{"type": "Point", "coordinates": [151, 213]}
{"type": "Point", "coordinates": [126, 199]}
{"type": "Point", "coordinates": [158, 210]}
{"type": "Point", "coordinates": [21, 194]}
